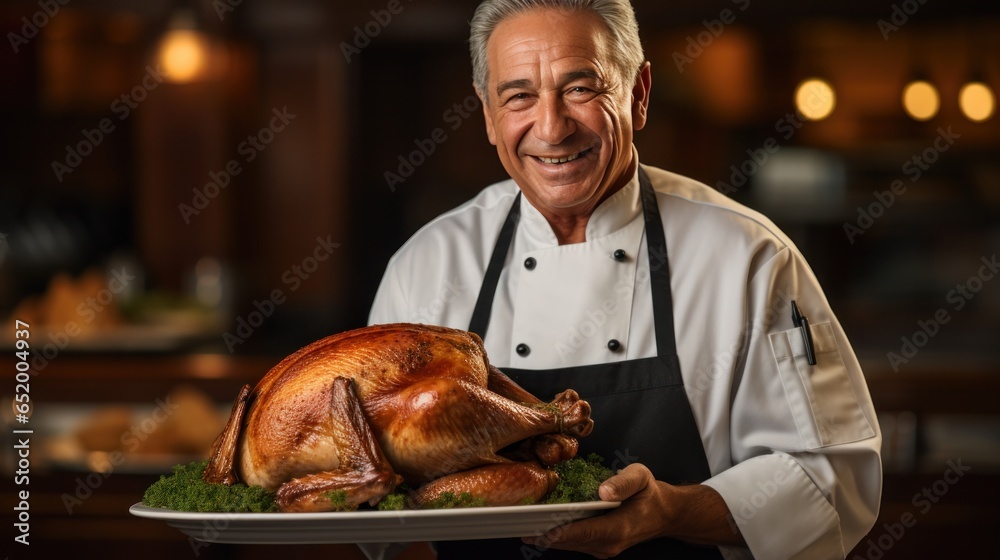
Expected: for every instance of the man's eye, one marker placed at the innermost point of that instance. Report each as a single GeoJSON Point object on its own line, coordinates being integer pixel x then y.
{"type": "Point", "coordinates": [517, 97]}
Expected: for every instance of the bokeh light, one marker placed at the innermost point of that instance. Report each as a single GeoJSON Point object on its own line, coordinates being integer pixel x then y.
{"type": "Point", "coordinates": [183, 55]}
{"type": "Point", "coordinates": [921, 100]}
{"type": "Point", "coordinates": [977, 101]}
{"type": "Point", "coordinates": [815, 99]}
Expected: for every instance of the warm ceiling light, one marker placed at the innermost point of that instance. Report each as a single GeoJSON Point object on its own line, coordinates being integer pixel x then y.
{"type": "Point", "coordinates": [183, 55]}
{"type": "Point", "coordinates": [921, 100]}
{"type": "Point", "coordinates": [977, 101]}
{"type": "Point", "coordinates": [184, 49]}
{"type": "Point", "coordinates": [815, 99]}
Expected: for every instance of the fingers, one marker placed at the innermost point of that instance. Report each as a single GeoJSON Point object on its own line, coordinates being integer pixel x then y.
{"type": "Point", "coordinates": [638, 519]}
{"type": "Point", "coordinates": [588, 536]}
{"type": "Point", "coordinates": [628, 482]}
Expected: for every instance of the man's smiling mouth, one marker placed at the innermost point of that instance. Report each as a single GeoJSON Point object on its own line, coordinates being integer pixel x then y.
{"type": "Point", "coordinates": [566, 159]}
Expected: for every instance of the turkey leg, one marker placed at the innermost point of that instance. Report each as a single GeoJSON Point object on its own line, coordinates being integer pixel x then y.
{"type": "Point", "coordinates": [504, 484]}
{"type": "Point", "coordinates": [446, 425]}
{"type": "Point", "coordinates": [498, 382]}
{"type": "Point", "coordinates": [548, 449]}
{"type": "Point", "coordinates": [363, 475]}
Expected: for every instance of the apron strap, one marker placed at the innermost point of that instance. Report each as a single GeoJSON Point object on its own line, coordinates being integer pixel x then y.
{"type": "Point", "coordinates": [484, 305]}
{"type": "Point", "coordinates": [659, 270]}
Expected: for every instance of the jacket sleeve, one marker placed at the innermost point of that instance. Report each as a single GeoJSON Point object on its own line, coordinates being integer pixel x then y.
{"type": "Point", "coordinates": [806, 476]}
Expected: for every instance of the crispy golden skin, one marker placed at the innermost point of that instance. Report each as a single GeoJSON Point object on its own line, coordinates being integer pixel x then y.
{"type": "Point", "coordinates": [363, 410]}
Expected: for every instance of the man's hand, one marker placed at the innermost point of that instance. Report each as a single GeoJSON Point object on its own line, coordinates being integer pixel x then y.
{"type": "Point", "coordinates": [650, 509]}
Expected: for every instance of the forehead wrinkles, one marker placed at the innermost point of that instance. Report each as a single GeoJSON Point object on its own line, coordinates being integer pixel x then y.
{"type": "Point", "coordinates": [517, 51]}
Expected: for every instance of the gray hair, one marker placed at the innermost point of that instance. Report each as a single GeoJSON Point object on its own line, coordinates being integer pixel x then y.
{"type": "Point", "coordinates": [617, 15]}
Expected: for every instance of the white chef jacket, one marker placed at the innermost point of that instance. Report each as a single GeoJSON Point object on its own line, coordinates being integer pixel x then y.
{"type": "Point", "coordinates": [793, 448]}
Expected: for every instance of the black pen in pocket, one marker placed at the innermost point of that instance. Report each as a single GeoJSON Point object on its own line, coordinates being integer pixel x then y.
{"type": "Point", "coordinates": [802, 323]}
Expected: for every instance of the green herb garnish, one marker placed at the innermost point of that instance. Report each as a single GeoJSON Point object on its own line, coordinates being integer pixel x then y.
{"type": "Point", "coordinates": [579, 480]}
{"type": "Point", "coordinates": [393, 502]}
{"type": "Point", "coordinates": [449, 500]}
{"type": "Point", "coordinates": [184, 490]}
{"type": "Point", "coordinates": [338, 499]}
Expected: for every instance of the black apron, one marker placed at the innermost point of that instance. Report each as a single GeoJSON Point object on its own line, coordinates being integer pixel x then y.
{"type": "Point", "coordinates": [640, 409]}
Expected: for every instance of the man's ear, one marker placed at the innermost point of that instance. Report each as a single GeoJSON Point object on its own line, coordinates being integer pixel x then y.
{"type": "Point", "coordinates": [491, 132]}
{"type": "Point", "coordinates": [640, 96]}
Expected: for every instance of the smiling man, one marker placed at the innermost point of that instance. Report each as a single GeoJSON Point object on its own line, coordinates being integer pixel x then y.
{"type": "Point", "coordinates": [560, 115]}
{"type": "Point", "coordinates": [663, 303]}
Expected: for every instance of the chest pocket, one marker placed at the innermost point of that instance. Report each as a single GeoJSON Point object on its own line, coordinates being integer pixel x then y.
{"type": "Point", "coordinates": [821, 397]}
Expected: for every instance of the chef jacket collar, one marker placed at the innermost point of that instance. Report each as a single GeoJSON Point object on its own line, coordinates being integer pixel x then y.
{"type": "Point", "coordinates": [619, 210]}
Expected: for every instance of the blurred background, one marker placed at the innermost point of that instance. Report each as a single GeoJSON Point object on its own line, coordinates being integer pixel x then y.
{"type": "Point", "coordinates": [191, 190]}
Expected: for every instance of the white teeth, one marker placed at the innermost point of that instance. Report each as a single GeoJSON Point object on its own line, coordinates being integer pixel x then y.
{"type": "Point", "coordinates": [561, 160]}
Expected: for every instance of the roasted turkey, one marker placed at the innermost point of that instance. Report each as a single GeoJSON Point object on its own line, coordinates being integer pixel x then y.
{"type": "Point", "coordinates": [358, 413]}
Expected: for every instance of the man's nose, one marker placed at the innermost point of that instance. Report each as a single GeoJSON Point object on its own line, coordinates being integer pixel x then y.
{"type": "Point", "coordinates": [554, 123]}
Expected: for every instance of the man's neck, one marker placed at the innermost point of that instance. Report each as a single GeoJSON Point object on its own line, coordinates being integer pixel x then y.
{"type": "Point", "coordinates": [573, 228]}
{"type": "Point", "coordinates": [569, 229]}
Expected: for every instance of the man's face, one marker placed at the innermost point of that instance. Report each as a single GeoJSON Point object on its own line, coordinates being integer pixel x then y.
{"type": "Point", "coordinates": [558, 112]}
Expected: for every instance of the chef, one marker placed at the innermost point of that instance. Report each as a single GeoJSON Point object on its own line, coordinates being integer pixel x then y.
{"type": "Point", "coordinates": [725, 393]}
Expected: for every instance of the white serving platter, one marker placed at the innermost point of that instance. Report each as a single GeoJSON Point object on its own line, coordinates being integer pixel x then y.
{"type": "Point", "coordinates": [374, 526]}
